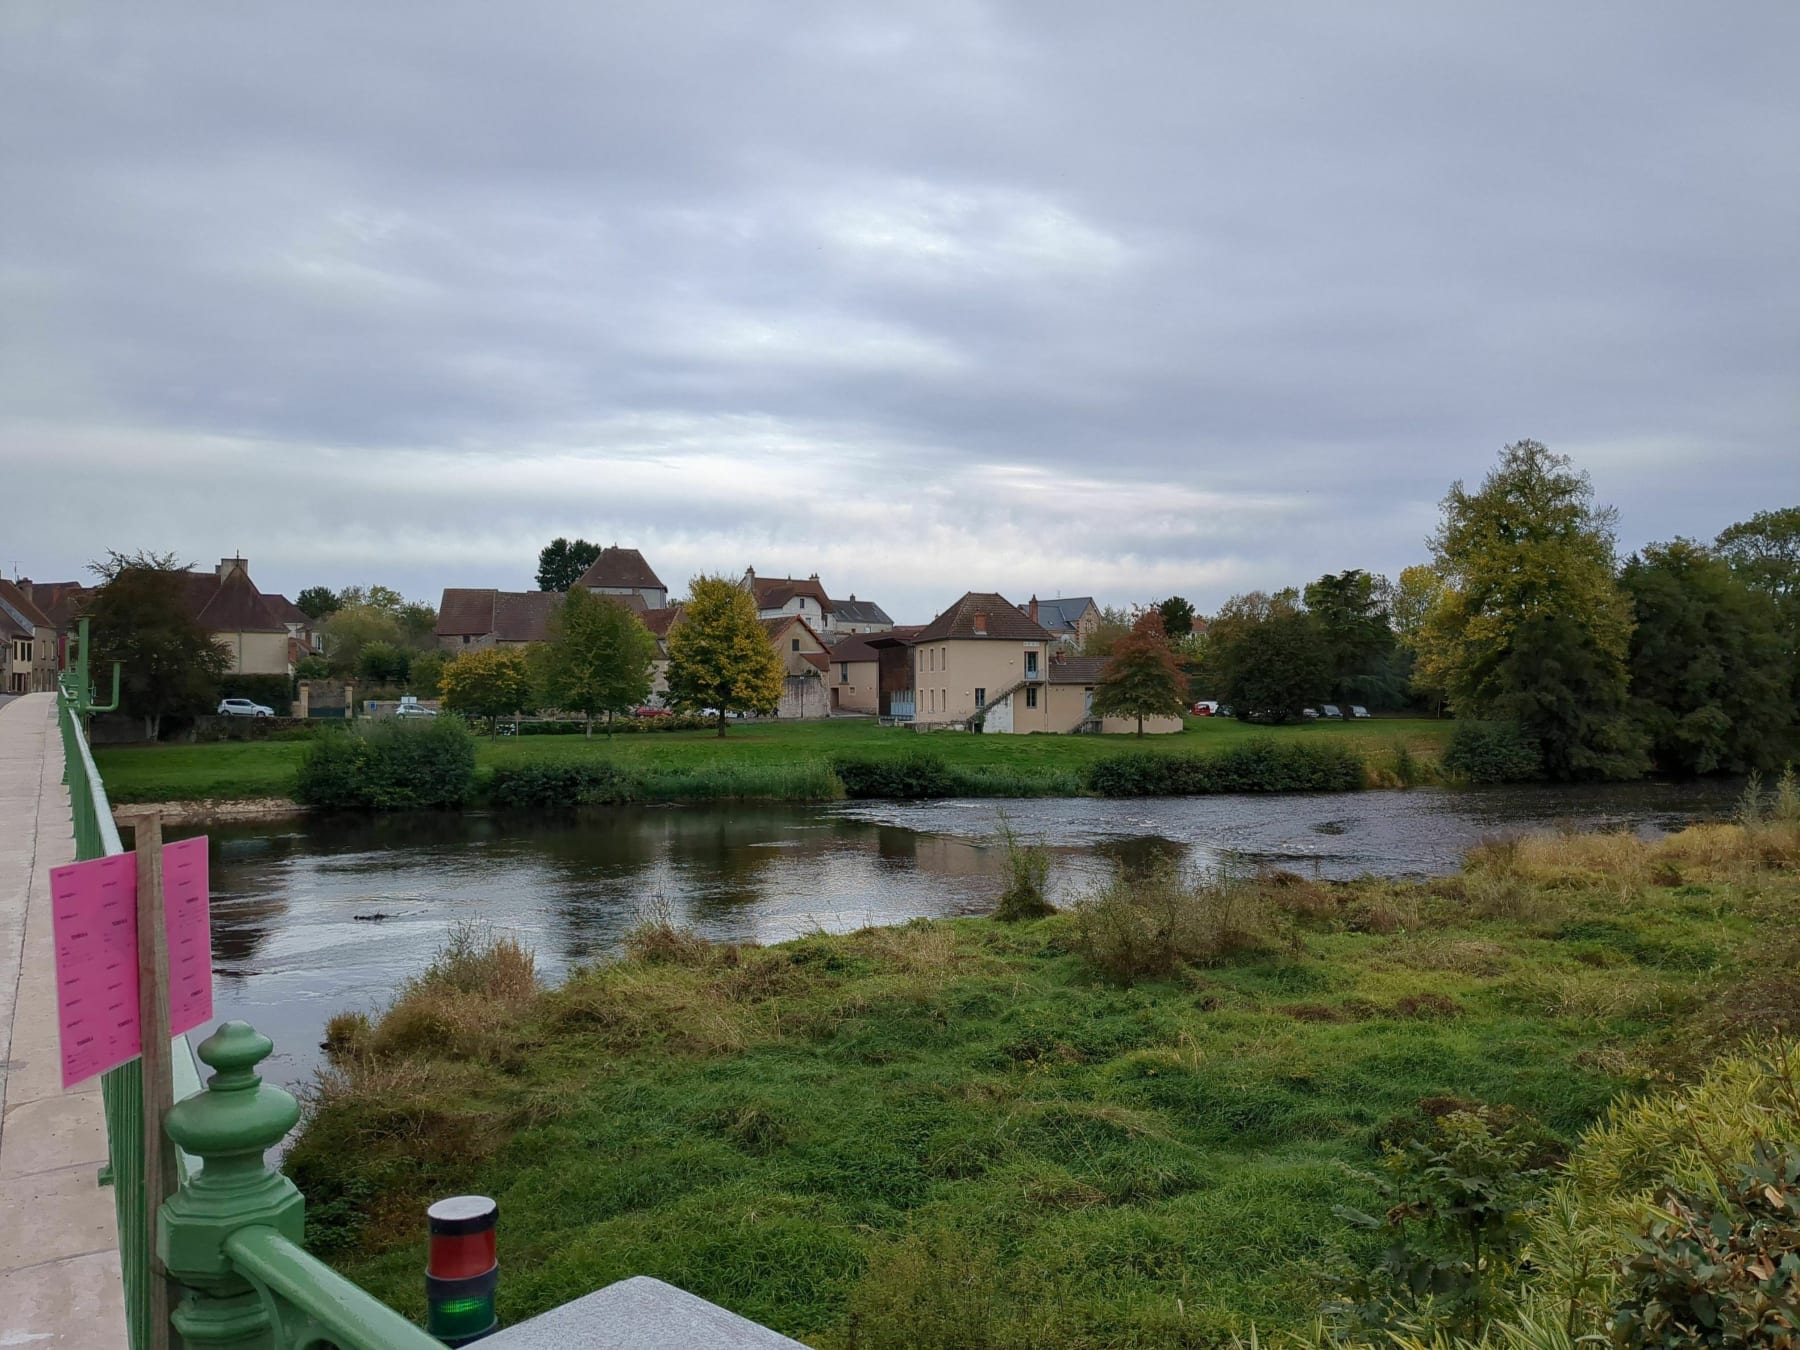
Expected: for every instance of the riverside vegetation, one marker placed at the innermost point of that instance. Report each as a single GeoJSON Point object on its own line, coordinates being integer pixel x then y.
{"type": "Point", "coordinates": [1543, 1099]}
{"type": "Point", "coordinates": [775, 761]}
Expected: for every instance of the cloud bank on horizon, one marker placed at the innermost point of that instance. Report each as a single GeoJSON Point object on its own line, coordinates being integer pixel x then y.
{"type": "Point", "coordinates": [1017, 296]}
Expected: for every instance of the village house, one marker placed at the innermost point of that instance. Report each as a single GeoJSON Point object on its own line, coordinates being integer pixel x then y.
{"type": "Point", "coordinates": [251, 628]}
{"type": "Point", "coordinates": [1069, 619]}
{"type": "Point", "coordinates": [61, 602]}
{"type": "Point", "coordinates": [476, 618]}
{"type": "Point", "coordinates": [28, 649]}
{"type": "Point", "coordinates": [854, 676]}
{"type": "Point", "coordinates": [779, 597]}
{"type": "Point", "coordinates": [623, 574]}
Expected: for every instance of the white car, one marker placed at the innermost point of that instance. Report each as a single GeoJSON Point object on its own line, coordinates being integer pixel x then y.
{"type": "Point", "coordinates": [243, 707]}
{"type": "Point", "coordinates": [414, 710]}
{"type": "Point", "coordinates": [1357, 710]}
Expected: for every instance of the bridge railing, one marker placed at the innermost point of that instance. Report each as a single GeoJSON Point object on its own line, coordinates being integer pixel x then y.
{"type": "Point", "coordinates": [229, 1240]}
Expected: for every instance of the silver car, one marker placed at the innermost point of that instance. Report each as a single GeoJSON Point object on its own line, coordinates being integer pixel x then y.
{"type": "Point", "coordinates": [243, 707]}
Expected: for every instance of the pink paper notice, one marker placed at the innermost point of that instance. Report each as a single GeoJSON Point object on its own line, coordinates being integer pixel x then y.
{"type": "Point", "coordinates": [94, 915]}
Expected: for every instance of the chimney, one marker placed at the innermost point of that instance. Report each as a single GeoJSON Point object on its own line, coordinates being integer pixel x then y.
{"type": "Point", "coordinates": [1032, 612]}
{"type": "Point", "coordinates": [981, 623]}
{"type": "Point", "coordinates": [229, 565]}
{"type": "Point", "coordinates": [813, 577]}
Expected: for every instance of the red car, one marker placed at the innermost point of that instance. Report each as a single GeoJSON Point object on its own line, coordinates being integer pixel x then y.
{"type": "Point", "coordinates": [1205, 708]}
{"type": "Point", "coordinates": [648, 711]}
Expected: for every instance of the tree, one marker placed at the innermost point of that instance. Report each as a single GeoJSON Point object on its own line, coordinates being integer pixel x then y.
{"type": "Point", "coordinates": [1115, 623]}
{"type": "Point", "coordinates": [383, 663]}
{"type": "Point", "coordinates": [561, 563]}
{"type": "Point", "coordinates": [423, 675]}
{"type": "Point", "coordinates": [355, 626]}
{"type": "Point", "coordinates": [598, 658]}
{"type": "Point", "coordinates": [1351, 611]}
{"type": "Point", "coordinates": [1530, 594]}
{"type": "Point", "coordinates": [1417, 593]}
{"type": "Point", "coordinates": [1765, 552]}
{"type": "Point", "coordinates": [140, 618]}
{"type": "Point", "coordinates": [1710, 682]}
{"type": "Point", "coordinates": [418, 624]}
{"type": "Point", "coordinates": [317, 601]}
{"type": "Point", "coordinates": [1177, 619]}
{"type": "Point", "coordinates": [492, 683]}
{"type": "Point", "coordinates": [1143, 678]}
{"type": "Point", "coordinates": [719, 655]}
{"type": "Point", "coordinates": [1276, 666]}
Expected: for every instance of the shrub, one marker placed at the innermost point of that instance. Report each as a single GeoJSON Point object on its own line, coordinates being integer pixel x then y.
{"type": "Point", "coordinates": [1149, 923]}
{"type": "Point", "coordinates": [1259, 765]}
{"type": "Point", "coordinates": [393, 765]}
{"type": "Point", "coordinates": [1492, 752]}
{"type": "Point", "coordinates": [546, 786]}
{"type": "Point", "coordinates": [1027, 871]}
{"type": "Point", "coordinates": [907, 777]}
{"type": "Point", "coordinates": [273, 691]}
{"type": "Point", "coordinates": [1719, 1269]}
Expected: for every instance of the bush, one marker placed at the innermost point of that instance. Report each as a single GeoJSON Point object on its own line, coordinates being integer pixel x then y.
{"type": "Point", "coordinates": [1027, 870]}
{"type": "Point", "coordinates": [560, 786]}
{"type": "Point", "coordinates": [393, 765]}
{"type": "Point", "coordinates": [1151, 922]}
{"type": "Point", "coordinates": [273, 691]}
{"type": "Point", "coordinates": [908, 777]}
{"type": "Point", "coordinates": [1260, 765]}
{"type": "Point", "coordinates": [1492, 752]}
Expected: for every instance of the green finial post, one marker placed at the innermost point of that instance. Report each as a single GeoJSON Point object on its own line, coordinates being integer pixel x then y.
{"type": "Point", "coordinates": [229, 1127]}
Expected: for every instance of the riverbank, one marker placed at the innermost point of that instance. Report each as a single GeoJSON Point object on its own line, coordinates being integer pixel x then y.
{"type": "Point", "coordinates": [1037, 1133]}
{"type": "Point", "coordinates": [766, 760]}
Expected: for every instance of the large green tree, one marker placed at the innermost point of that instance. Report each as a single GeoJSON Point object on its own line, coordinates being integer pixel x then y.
{"type": "Point", "coordinates": [1177, 619]}
{"type": "Point", "coordinates": [1143, 678]}
{"type": "Point", "coordinates": [1276, 665]}
{"type": "Point", "coordinates": [719, 653]}
{"type": "Point", "coordinates": [562, 561]}
{"type": "Point", "coordinates": [1530, 595]}
{"type": "Point", "coordinates": [141, 618]}
{"type": "Point", "coordinates": [1765, 552]}
{"type": "Point", "coordinates": [317, 601]}
{"type": "Point", "coordinates": [1351, 611]}
{"type": "Point", "coordinates": [598, 658]}
{"type": "Point", "coordinates": [1710, 670]}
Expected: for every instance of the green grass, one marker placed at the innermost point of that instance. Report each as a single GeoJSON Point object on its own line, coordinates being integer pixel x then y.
{"type": "Point", "coordinates": [780, 760]}
{"type": "Point", "coordinates": [957, 1133]}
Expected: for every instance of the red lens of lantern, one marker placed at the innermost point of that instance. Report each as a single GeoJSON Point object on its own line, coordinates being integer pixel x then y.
{"type": "Point", "coordinates": [462, 1237]}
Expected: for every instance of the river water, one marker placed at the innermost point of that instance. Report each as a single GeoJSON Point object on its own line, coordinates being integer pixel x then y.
{"type": "Point", "coordinates": [317, 915]}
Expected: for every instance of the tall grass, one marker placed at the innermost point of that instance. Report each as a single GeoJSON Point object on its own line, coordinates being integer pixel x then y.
{"type": "Point", "coordinates": [1027, 873]}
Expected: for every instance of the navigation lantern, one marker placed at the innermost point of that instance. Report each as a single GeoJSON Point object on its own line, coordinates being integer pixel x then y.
{"type": "Point", "coordinates": [462, 1270]}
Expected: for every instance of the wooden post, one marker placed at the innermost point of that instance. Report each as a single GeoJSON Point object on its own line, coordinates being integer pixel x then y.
{"type": "Point", "coordinates": [160, 1180]}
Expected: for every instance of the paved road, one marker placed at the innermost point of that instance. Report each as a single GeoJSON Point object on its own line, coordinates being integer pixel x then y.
{"type": "Point", "coordinates": [59, 1260]}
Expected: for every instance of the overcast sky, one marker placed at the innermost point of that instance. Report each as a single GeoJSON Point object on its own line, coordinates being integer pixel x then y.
{"type": "Point", "coordinates": [1124, 299]}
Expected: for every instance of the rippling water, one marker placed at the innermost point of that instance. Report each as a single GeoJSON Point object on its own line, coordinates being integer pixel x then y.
{"type": "Point", "coordinates": [318, 915]}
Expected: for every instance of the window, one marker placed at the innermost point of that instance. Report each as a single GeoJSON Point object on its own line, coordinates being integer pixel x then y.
{"type": "Point", "coordinates": [1031, 696]}
{"type": "Point", "coordinates": [981, 698]}
{"type": "Point", "coordinates": [843, 672]}
{"type": "Point", "coordinates": [796, 642]}
{"type": "Point", "coordinates": [1031, 667]}
{"type": "Point", "coordinates": [465, 639]}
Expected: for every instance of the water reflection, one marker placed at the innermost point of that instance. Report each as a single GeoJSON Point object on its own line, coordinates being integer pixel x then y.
{"type": "Point", "coordinates": [319, 915]}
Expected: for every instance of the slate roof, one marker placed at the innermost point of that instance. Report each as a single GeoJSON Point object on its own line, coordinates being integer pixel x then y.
{"type": "Point", "coordinates": [859, 611]}
{"type": "Point", "coordinates": [1005, 621]}
{"type": "Point", "coordinates": [1075, 669]}
{"type": "Point", "coordinates": [1061, 614]}
{"type": "Point", "coordinates": [774, 592]}
{"type": "Point", "coordinates": [621, 567]}
{"type": "Point", "coordinates": [18, 608]}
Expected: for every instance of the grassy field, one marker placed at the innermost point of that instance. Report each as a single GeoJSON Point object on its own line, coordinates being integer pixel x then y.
{"type": "Point", "coordinates": [969, 1133]}
{"type": "Point", "coordinates": [232, 770]}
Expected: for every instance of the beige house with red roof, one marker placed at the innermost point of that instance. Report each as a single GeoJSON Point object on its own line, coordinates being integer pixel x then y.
{"type": "Point", "coordinates": [801, 649]}
{"type": "Point", "coordinates": [28, 654]}
{"type": "Point", "coordinates": [251, 627]}
{"type": "Point", "coordinates": [853, 676]}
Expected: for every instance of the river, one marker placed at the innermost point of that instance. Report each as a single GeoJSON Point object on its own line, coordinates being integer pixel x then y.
{"type": "Point", "coordinates": [316, 915]}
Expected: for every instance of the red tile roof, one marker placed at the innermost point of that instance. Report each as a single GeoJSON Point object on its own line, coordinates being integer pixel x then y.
{"type": "Point", "coordinates": [855, 648]}
{"type": "Point", "coordinates": [1077, 669]}
{"type": "Point", "coordinates": [774, 592]}
{"type": "Point", "coordinates": [230, 605]}
{"type": "Point", "coordinates": [778, 626]}
{"type": "Point", "coordinates": [60, 600]}
{"type": "Point", "coordinates": [660, 621]}
{"type": "Point", "coordinates": [621, 567]}
{"type": "Point", "coordinates": [820, 659]}
{"type": "Point", "coordinates": [510, 616]}
{"type": "Point", "coordinates": [1003, 620]}
{"type": "Point", "coordinates": [21, 605]}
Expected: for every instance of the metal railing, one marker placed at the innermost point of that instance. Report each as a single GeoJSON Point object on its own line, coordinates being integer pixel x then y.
{"type": "Point", "coordinates": [229, 1240]}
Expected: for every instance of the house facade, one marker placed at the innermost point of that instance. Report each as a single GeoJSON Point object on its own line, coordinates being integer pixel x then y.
{"type": "Point", "coordinates": [799, 645]}
{"type": "Point", "coordinates": [240, 618]}
{"type": "Point", "coordinates": [622, 572]}
{"type": "Point", "coordinates": [859, 616]}
{"type": "Point", "coordinates": [806, 598]}
{"type": "Point", "coordinates": [986, 657]}
{"type": "Point", "coordinates": [853, 676]}
{"type": "Point", "coordinates": [28, 648]}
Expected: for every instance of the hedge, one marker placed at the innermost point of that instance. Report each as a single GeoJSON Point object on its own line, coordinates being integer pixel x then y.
{"type": "Point", "coordinates": [393, 765]}
{"type": "Point", "coordinates": [1492, 752]}
{"type": "Point", "coordinates": [1261, 765]}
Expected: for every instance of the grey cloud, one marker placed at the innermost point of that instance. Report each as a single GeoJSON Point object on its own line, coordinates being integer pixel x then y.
{"type": "Point", "coordinates": [1126, 300]}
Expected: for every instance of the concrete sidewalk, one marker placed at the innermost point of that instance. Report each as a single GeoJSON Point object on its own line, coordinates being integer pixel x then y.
{"type": "Point", "coordinates": [59, 1258]}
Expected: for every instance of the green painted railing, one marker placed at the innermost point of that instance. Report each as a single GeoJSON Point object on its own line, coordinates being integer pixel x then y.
{"type": "Point", "coordinates": [229, 1239]}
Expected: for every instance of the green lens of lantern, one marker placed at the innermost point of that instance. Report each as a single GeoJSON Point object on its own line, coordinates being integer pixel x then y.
{"type": "Point", "coordinates": [455, 1317]}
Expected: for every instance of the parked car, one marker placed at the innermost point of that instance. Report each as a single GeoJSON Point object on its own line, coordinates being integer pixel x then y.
{"type": "Point", "coordinates": [1331, 710]}
{"type": "Point", "coordinates": [1224, 711]}
{"type": "Point", "coordinates": [243, 707]}
{"type": "Point", "coordinates": [1310, 714]}
{"type": "Point", "coordinates": [1357, 710]}
{"type": "Point", "coordinates": [414, 710]}
{"type": "Point", "coordinates": [1206, 708]}
{"type": "Point", "coordinates": [649, 710]}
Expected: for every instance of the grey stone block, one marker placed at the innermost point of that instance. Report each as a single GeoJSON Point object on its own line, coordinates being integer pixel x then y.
{"type": "Point", "coordinates": [638, 1314]}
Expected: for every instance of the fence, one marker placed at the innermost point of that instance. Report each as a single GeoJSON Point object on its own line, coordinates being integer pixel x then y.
{"type": "Point", "coordinates": [228, 1241]}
